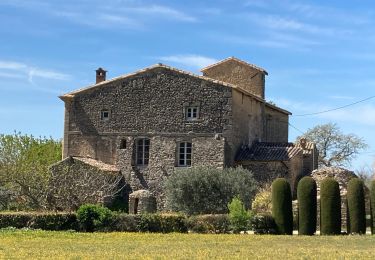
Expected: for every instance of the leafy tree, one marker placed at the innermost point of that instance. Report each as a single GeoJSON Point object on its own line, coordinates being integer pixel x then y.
{"type": "Point", "coordinates": [335, 148]}
{"type": "Point", "coordinates": [239, 217]}
{"type": "Point", "coordinates": [24, 162]}
{"type": "Point", "coordinates": [208, 190]}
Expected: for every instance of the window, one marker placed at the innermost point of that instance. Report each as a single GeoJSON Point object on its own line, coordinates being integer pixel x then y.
{"type": "Point", "coordinates": [142, 151]}
{"type": "Point", "coordinates": [184, 154]}
{"type": "Point", "coordinates": [123, 144]}
{"type": "Point", "coordinates": [104, 115]}
{"type": "Point", "coordinates": [192, 113]}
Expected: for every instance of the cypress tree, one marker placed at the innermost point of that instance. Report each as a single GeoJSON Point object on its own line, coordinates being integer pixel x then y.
{"type": "Point", "coordinates": [372, 200]}
{"type": "Point", "coordinates": [307, 210]}
{"type": "Point", "coordinates": [282, 206]}
{"type": "Point", "coordinates": [356, 207]}
{"type": "Point", "coordinates": [330, 207]}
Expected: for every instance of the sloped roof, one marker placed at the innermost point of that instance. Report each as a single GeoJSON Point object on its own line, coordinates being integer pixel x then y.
{"type": "Point", "coordinates": [237, 60]}
{"type": "Point", "coordinates": [307, 148]}
{"type": "Point", "coordinates": [268, 151]}
{"type": "Point", "coordinates": [71, 94]}
{"type": "Point", "coordinates": [98, 164]}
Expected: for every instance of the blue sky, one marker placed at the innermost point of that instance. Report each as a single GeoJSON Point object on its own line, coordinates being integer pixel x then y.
{"type": "Point", "coordinates": [319, 54]}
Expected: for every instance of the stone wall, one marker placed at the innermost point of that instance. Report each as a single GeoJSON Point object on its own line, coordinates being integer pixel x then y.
{"type": "Point", "coordinates": [239, 74]}
{"type": "Point", "coordinates": [151, 102]}
{"type": "Point", "coordinates": [208, 151]}
{"type": "Point", "coordinates": [276, 125]}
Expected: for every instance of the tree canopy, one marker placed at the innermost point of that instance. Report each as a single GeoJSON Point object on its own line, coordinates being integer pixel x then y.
{"type": "Point", "coordinates": [335, 147]}
{"type": "Point", "coordinates": [24, 174]}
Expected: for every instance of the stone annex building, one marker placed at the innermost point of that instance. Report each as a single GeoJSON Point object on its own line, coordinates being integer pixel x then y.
{"type": "Point", "coordinates": [150, 122]}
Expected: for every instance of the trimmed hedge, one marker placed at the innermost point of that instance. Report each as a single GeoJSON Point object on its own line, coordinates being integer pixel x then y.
{"type": "Point", "coordinates": [93, 217]}
{"type": "Point", "coordinates": [307, 209]}
{"type": "Point", "coordinates": [162, 223]}
{"type": "Point", "coordinates": [330, 207]}
{"type": "Point", "coordinates": [263, 223]}
{"type": "Point", "coordinates": [372, 200]}
{"type": "Point", "coordinates": [282, 206]}
{"type": "Point", "coordinates": [39, 220]}
{"type": "Point", "coordinates": [356, 207]}
{"type": "Point", "coordinates": [209, 224]}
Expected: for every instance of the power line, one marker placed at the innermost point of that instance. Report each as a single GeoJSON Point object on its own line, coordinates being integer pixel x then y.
{"type": "Point", "coordinates": [295, 128]}
{"type": "Point", "coordinates": [337, 108]}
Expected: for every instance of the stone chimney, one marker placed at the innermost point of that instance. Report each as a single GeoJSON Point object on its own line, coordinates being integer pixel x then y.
{"type": "Point", "coordinates": [100, 75]}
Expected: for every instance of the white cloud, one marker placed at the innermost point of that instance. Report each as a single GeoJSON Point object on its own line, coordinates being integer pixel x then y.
{"type": "Point", "coordinates": [13, 69]}
{"type": "Point", "coordinates": [162, 11]}
{"type": "Point", "coordinates": [195, 61]}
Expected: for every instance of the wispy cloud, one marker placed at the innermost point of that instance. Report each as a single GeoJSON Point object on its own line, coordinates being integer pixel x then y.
{"type": "Point", "coordinates": [12, 69]}
{"type": "Point", "coordinates": [190, 60]}
{"type": "Point", "coordinates": [161, 11]}
{"type": "Point", "coordinates": [363, 114]}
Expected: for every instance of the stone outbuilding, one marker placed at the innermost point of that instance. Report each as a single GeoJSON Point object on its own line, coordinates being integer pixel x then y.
{"type": "Point", "coordinates": [142, 201]}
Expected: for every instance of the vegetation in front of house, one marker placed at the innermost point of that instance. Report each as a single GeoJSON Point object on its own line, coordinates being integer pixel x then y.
{"type": "Point", "coordinates": [372, 206]}
{"type": "Point", "coordinates": [307, 206]}
{"type": "Point", "coordinates": [24, 174]}
{"type": "Point", "coordinates": [187, 189]}
{"type": "Point", "coordinates": [330, 207]}
{"type": "Point", "coordinates": [356, 207]}
{"type": "Point", "coordinates": [72, 245]}
{"type": "Point", "coordinates": [282, 206]}
{"type": "Point", "coordinates": [239, 217]}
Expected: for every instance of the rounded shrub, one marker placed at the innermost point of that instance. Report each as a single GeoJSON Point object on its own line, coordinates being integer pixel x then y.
{"type": "Point", "coordinates": [330, 207]}
{"type": "Point", "coordinates": [372, 205]}
{"type": "Point", "coordinates": [356, 207]}
{"type": "Point", "coordinates": [307, 211]}
{"type": "Point", "coordinates": [282, 206]}
{"type": "Point", "coordinates": [93, 217]}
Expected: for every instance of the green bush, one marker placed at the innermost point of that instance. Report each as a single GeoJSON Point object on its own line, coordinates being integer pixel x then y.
{"type": "Point", "coordinates": [39, 220]}
{"type": "Point", "coordinates": [263, 223]}
{"type": "Point", "coordinates": [307, 206]}
{"type": "Point", "coordinates": [123, 222]}
{"type": "Point", "coordinates": [208, 190]}
{"type": "Point", "coordinates": [282, 206]}
{"type": "Point", "coordinates": [93, 217]}
{"type": "Point", "coordinates": [330, 207]}
{"type": "Point", "coordinates": [239, 217]}
{"type": "Point", "coordinates": [166, 223]}
{"type": "Point", "coordinates": [356, 207]}
{"type": "Point", "coordinates": [209, 224]}
{"type": "Point", "coordinates": [372, 206]}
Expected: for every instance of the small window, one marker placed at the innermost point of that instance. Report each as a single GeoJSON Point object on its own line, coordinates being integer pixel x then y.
{"type": "Point", "coordinates": [184, 154]}
{"type": "Point", "coordinates": [192, 113]}
{"type": "Point", "coordinates": [104, 115]}
{"type": "Point", "coordinates": [142, 151]}
{"type": "Point", "coordinates": [123, 144]}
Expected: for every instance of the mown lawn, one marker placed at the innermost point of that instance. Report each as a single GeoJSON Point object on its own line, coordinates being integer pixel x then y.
{"type": "Point", "coordinates": [72, 245]}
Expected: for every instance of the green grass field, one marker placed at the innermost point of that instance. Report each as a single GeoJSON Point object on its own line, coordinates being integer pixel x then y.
{"type": "Point", "coordinates": [72, 245]}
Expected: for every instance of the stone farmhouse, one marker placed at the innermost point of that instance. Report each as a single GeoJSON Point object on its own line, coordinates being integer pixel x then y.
{"type": "Point", "coordinates": [150, 122]}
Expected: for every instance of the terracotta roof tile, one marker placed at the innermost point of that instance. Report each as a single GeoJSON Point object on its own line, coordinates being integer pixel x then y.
{"type": "Point", "coordinates": [267, 151]}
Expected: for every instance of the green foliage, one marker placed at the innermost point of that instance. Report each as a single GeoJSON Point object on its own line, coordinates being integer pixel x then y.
{"type": "Point", "coordinates": [208, 190]}
{"type": "Point", "coordinates": [209, 224]}
{"type": "Point", "coordinates": [93, 217]}
{"type": "Point", "coordinates": [282, 206]}
{"type": "Point", "coordinates": [35, 220]}
{"type": "Point", "coordinates": [24, 174]}
{"type": "Point", "coordinates": [330, 207]}
{"type": "Point", "coordinates": [307, 206]}
{"type": "Point", "coordinates": [372, 206]}
{"type": "Point", "coordinates": [356, 207]}
{"type": "Point", "coordinates": [239, 217]}
{"type": "Point", "coordinates": [162, 223]}
{"type": "Point", "coordinates": [262, 202]}
{"type": "Point", "coordinates": [263, 223]}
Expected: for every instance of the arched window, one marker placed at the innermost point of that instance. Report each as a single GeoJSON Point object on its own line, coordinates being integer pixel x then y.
{"type": "Point", "coordinates": [184, 154]}
{"type": "Point", "coordinates": [143, 151]}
